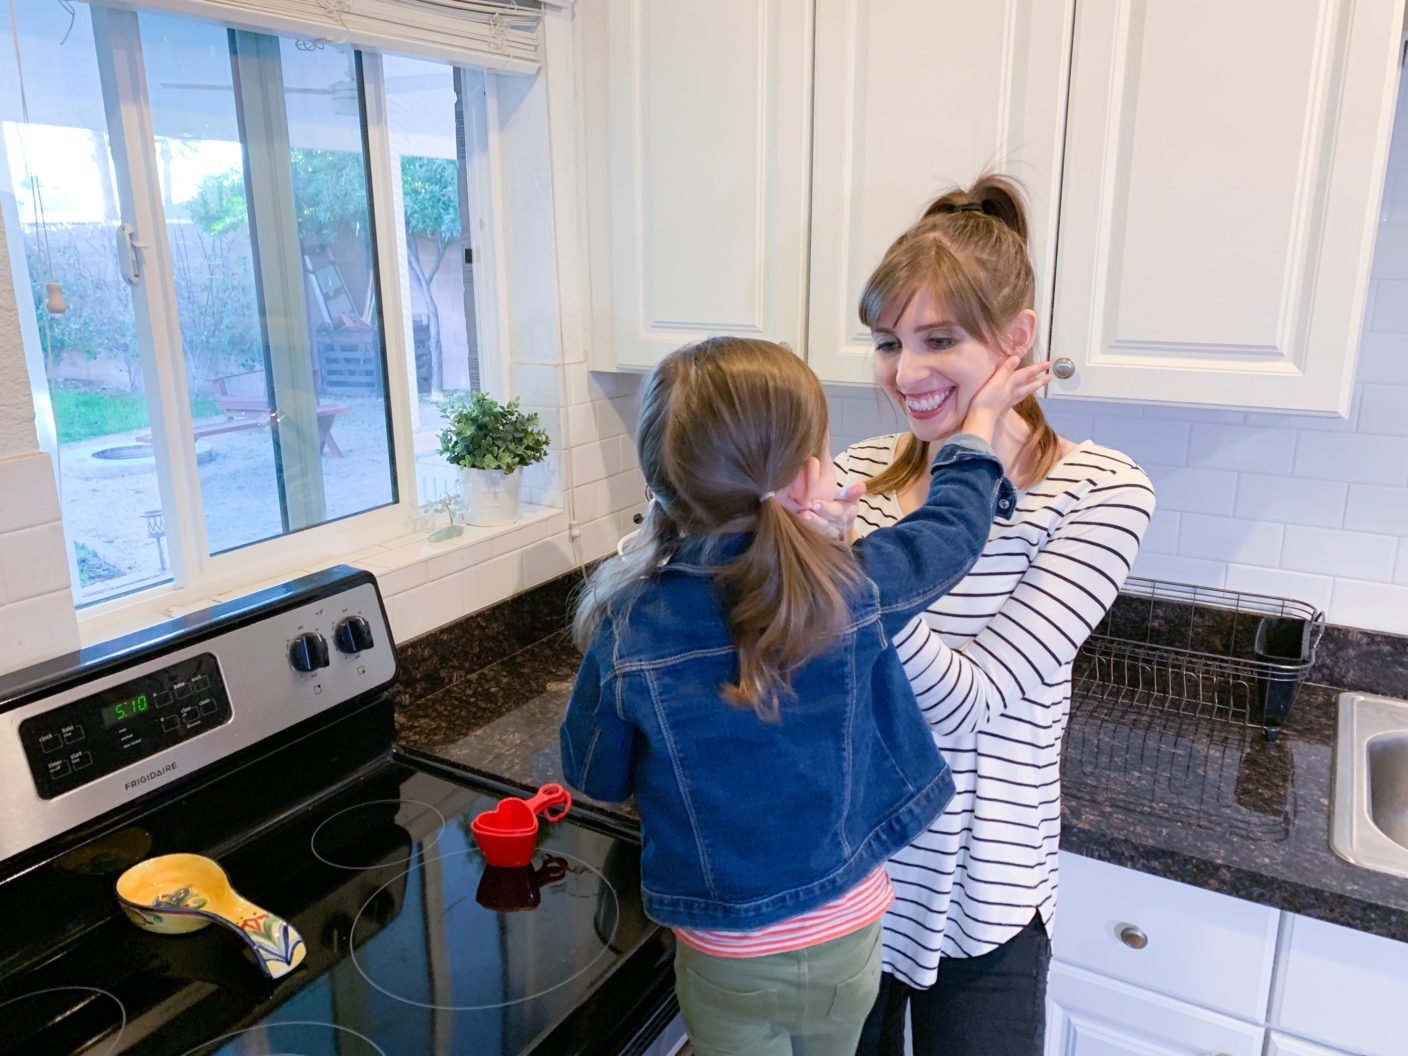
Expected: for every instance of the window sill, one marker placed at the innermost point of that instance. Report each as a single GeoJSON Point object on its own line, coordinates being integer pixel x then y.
{"type": "Point", "coordinates": [423, 584]}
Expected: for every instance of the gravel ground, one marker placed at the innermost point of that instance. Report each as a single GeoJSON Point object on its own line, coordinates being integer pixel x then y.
{"type": "Point", "coordinates": [238, 484]}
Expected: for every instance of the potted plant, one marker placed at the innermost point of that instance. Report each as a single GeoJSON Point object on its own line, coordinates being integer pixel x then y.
{"type": "Point", "coordinates": [491, 442]}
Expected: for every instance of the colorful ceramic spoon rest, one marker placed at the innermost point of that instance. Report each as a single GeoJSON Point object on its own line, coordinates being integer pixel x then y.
{"type": "Point", "coordinates": [179, 893]}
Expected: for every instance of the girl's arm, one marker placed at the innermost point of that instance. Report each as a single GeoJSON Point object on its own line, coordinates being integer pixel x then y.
{"type": "Point", "coordinates": [596, 741]}
{"type": "Point", "coordinates": [1057, 603]}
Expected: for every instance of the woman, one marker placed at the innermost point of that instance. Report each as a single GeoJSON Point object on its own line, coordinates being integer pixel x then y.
{"type": "Point", "coordinates": [966, 943]}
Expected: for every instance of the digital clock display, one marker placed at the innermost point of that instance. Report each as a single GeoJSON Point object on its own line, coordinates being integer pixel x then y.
{"type": "Point", "coordinates": [124, 710]}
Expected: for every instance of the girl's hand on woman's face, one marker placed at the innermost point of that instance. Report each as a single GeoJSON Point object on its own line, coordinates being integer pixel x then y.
{"type": "Point", "coordinates": [836, 518]}
{"type": "Point", "coordinates": [1008, 386]}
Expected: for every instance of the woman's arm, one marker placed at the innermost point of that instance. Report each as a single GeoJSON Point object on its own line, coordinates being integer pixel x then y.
{"type": "Point", "coordinates": [1057, 603]}
{"type": "Point", "coordinates": [595, 740]}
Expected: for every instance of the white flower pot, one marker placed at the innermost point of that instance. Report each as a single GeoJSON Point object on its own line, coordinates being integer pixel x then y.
{"type": "Point", "coordinates": [491, 495]}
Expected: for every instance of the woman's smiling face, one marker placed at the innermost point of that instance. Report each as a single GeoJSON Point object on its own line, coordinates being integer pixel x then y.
{"type": "Point", "coordinates": [930, 366]}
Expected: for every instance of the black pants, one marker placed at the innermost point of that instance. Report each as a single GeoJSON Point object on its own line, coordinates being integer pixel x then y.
{"type": "Point", "coordinates": [993, 1005]}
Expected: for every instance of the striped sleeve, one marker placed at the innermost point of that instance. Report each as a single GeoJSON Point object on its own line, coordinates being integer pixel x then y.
{"type": "Point", "coordinates": [1070, 585]}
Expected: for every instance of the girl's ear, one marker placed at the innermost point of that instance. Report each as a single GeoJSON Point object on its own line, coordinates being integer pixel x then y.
{"type": "Point", "coordinates": [1021, 333]}
{"type": "Point", "coordinates": [801, 492]}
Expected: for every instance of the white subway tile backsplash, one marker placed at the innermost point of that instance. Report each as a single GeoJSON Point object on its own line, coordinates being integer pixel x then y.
{"type": "Point", "coordinates": [1391, 250]}
{"type": "Point", "coordinates": [494, 580]}
{"type": "Point", "coordinates": [33, 561]}
{"type": "Point", "coordinates": [625, 491]}
{"type": "Point", "coordinates": [1372, 508]}
{"type": "Point", "coordinates": [1281, 583]}
{"type": "Point", "coordinates": [36, 629]}
{"type": "Point", "coordinates": [1230, 539]}
{"type": "Point", "coordinates": [1352, 457]}
{"type": "Point", "coordinates": [1145, 439]}
{"type": "Point", "coordinates": [1389, 312]}
{"type": "Point", "coordinates": [31, 498]}
{"type": "Point", "coordinates": [1211, 415]}
{"type": "Point", "coordinates": [547, 559]}
{"type": "Point", "coordinates": [1187, 488]}
{"type": "Point", "coordinates": [1385, 410]}
{"type": "Point", "coordinates": [1179, 569]}
{"type": "Point", "coordinates": [1400, 573]}
{"type": "Point", "coordinates": [1359, 603]}
{"type": "Point", "coordinates": [1161, 537]}
{"type": "Point", "coordinates": [1356, 555]}
{"type": "Point", "coordinates": [1241, 447]}
{"type": "Point", "coordinates": [1292, 500]}
{"type": "Point", "coordinates": [1383, 358]}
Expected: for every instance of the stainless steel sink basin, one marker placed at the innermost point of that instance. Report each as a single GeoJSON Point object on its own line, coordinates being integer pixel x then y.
{"type": "Point", "coordinates": [1369, 825]}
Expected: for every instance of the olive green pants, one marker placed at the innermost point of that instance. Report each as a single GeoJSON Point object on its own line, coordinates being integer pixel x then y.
{"type": "Point", "coordinates": [808, 1002]}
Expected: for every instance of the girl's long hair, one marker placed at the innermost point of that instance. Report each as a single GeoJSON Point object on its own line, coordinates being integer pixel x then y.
{"type": "Point", "coordinates": [723, 423]}
{"type": "Point", "coordinates": [970, 249]}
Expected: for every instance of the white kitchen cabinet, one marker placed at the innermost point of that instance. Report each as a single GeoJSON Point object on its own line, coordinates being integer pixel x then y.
{"type": "Point", "coordinates": [1342, 987]}
{"type": "Point", "coordinates": [1093, 1015]}
{"type": "Point", "coordinates": [895, 124]}
{"type": "Point", "coordinates": [704, 165]}
{"type": "Point", "coordinates": [1222, 176]}
{"type": "Point", "coordinates": [1192, 944]}
{"type": "Point", "coordinates": [1278, 1044]}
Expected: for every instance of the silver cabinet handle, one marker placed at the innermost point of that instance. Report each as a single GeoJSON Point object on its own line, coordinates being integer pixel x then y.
{"type": "Point", "coordinates": [1132, 936]}
{"type": "Point", "coordinates": [1064, 368]}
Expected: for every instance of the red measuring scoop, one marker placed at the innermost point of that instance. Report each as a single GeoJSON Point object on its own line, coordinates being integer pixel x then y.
{"type": "Point", "coordinates": [508, 833]}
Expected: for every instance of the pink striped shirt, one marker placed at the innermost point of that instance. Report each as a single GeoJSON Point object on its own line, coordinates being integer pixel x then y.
{"type": "Point", "coordinates": [862, 905]}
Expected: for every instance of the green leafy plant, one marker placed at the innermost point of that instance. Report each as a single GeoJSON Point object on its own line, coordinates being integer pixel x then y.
{"type": "Point", "coordinates": [452, 505]}
{"type": "Point", "coordinates": [486, 434]}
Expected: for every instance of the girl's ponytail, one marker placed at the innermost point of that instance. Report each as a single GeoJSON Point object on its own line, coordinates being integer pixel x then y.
{"type": "Point", "coordinates": [788, 597]}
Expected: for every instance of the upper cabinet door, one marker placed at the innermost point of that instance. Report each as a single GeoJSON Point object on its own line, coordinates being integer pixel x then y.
{"type": "Point", "coordinates": [912, 97]}
{"type": "Point", "coordinates": [1223, 169]}
{"type": "Point", "coordinates": [706, 161]}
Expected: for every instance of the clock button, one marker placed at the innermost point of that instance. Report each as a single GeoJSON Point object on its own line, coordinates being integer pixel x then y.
{"type": "Point", "coordinates": [49, 742]}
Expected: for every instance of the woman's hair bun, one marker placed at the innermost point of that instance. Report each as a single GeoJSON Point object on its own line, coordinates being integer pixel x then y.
{"type": "Point", "coordinates": [992, 193]}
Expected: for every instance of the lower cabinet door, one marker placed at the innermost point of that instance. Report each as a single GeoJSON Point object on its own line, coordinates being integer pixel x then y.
{"type": "Point", "coordinates": [1285, 1045]}
{"type": "Point", "coordinates": [1092, 1015]}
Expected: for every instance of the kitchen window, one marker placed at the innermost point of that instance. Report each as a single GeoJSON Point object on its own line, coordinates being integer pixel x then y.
{"type": "Point", "coordinates": [246, 278]}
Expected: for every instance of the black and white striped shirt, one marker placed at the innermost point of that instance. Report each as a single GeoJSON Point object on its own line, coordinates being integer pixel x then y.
{"type": "Point", "coordinates": [990, 664]}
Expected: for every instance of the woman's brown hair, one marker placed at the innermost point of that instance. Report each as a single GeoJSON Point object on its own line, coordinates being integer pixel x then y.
{"type": "Point", "coordinates": [970, 248]}
{"type": "Point", "coordinates": [724, 423]}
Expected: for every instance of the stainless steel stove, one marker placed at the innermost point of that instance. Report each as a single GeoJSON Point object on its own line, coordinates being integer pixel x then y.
{"type": "Point", "coordinates": [259, 733]}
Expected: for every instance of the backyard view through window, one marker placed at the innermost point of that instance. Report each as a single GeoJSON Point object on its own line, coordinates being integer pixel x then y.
{"type": "Point", "coordinates": [250, 167]}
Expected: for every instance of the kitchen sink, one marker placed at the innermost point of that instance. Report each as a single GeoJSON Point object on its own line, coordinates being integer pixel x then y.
{"type": "Point", "coordinates": [1369, 824]}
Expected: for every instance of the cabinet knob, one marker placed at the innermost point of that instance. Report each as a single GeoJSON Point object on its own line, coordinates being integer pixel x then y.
{"type": "Point", "coordinates": [1064, 368]}
{"type": "Point", "coordinates": [1132, 936]}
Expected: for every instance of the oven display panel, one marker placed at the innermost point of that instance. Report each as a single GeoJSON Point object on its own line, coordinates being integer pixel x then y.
{"type": "Point", "coordinates": [88, 738]}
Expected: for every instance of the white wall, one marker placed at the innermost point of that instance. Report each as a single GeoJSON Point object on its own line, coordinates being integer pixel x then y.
{"type": "Point", "coordinates": [1311, 508]}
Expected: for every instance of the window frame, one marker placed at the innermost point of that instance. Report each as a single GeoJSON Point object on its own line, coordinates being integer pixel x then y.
{"type": "Point", "coordinates": [196, 574]}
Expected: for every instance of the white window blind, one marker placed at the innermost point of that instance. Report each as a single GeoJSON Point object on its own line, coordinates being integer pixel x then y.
{"type": "Point", "coordinates": [497, 34]}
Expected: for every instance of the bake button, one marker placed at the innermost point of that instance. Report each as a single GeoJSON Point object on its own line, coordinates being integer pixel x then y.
{"type": "Point", "coordinates": [200, 683]}
{"type": "Point", "coordinates": [183, 690]}
{"type": "Point", "coordinates": [162, 698]}
{"type": "Point", "coordinates": [72, 734]}
{"type": "Point", "coordinates": [207, 706]}
{"type": "Point", "coordinates": [49, 742]}
{"type": "Point", "coordinates": [58, 768]}
{"type": "Point", "coordinates": [169, 723]}
{"type": "Point", "coordinates": [80, 760]}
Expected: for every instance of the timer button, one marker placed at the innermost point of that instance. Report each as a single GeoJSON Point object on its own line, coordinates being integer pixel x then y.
{"type": "Point", "coordinates": [72, 734]}
{"type": "Point", "coordinates": [354, 635]}
{"type": "Point", "coordinates": [308, 652]}
{"type": "Point", "coordinates": [49, 742]}
{"type": "Point", "coordinates": [58, 768]}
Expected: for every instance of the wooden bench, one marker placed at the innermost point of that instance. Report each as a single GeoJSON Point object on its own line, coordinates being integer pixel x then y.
{"type": "Point", "coordinates": [248, 408]}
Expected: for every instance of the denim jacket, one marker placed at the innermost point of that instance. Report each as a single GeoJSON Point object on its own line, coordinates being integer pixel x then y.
{"type": "Point", "coordinates": [746, 822]}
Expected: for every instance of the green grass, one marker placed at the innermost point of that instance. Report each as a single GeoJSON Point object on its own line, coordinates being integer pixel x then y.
{"type": "Point", "coordinates": [81, 414]}
{"type": "Point", "coordinates": [93, 567]}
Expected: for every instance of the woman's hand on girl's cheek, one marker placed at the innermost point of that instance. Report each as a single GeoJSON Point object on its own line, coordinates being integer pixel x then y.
{"type": "Point", "coordinates": [836, 518]}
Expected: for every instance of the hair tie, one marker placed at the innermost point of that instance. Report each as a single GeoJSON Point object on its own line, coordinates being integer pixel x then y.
{"type": "Point", "coordinates": [972, 207]}
{"type": "Point", "coordinates": [765, 496]}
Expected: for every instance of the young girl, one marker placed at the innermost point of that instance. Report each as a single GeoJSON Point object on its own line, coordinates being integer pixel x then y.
{"type": "Point", "coordinates": [739, 680]}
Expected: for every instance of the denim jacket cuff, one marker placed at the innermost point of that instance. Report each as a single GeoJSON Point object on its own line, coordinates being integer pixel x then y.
{"type": "Point", "coordinates": [962, 446]}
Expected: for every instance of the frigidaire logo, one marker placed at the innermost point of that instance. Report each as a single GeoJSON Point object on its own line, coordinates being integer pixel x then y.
{"type": "Point", "coordinates": [138, 781]}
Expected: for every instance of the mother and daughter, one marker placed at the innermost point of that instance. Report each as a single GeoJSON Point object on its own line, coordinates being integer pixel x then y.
{"type": "Point", "coordinates": [830, 855]}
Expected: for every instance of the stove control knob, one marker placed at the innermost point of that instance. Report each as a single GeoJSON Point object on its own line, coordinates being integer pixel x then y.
{"type": "Point", "coordinates": [308, 652]}
{"type": "Point", "coordinates": [353, 635]}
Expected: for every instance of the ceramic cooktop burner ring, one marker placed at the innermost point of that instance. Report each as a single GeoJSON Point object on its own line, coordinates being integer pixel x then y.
{"type": "Point", "coordinates": [424, 844]}
{"type": "Point", "coordinates": [606, 940]}
{"type": "Point", "coordinates": [373, 1049]}
{"type": "Point", "coordinates": [121, 1008]}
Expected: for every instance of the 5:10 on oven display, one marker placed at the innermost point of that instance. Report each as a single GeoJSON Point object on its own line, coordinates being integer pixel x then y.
{"type": "Point", "coordinates": [124, 710]}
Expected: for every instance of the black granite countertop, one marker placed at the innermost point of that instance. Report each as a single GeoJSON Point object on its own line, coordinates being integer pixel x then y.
{"type": "Point", "coordinates": [1194, 800]}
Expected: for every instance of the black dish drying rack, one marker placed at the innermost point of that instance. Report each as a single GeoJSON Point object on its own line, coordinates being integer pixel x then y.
{"type": "Point", "coordinates": [1200, 652]}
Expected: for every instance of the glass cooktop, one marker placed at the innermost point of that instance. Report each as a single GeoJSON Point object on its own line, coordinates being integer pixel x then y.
{"type": "Point", "coordinates": [414, 944]}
